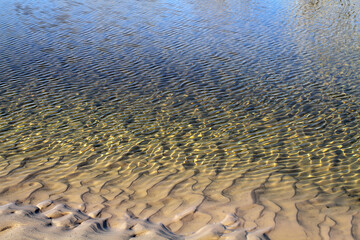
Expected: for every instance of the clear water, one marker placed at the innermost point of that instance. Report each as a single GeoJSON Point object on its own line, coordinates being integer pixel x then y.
{"type": "Point", "coordinates": [106, 93]}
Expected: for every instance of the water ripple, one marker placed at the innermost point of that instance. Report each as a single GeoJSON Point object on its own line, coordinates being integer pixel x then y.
{"type": "Point", "coordinates": [218, 88]}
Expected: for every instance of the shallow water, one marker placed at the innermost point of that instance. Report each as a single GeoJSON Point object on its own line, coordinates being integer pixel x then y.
{"type": "Point", "coordinates": [203, 108]}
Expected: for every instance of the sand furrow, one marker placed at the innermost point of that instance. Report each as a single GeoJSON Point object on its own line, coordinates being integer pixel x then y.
{"type": "Point", "coordinates": [189, 203]}
{"type": "Point", "coordinates": [63, 222]}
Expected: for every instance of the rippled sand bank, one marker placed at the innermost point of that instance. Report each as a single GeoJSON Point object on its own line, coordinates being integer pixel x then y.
{"type": "Point", "coordinates": [174, 205]}
{"type": "Point", "coordinates": [63, 222]}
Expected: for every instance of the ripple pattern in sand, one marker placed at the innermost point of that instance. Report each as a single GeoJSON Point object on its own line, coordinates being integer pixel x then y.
{"type": "Point", "coordinates": [185, 113]}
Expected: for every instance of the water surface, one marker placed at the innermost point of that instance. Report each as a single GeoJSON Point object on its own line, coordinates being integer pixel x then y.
{"type": "Point", "coordinates": [164, 106]}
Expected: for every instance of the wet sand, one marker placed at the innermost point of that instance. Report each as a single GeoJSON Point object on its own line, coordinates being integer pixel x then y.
{"type": "Point", "coordinates": [172, 204]}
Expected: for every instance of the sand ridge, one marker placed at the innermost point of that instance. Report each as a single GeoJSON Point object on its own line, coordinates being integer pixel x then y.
{"type": "Point", "coordinates": [48, 221]}
{"type": "Point", "coordinates": [173, 204]}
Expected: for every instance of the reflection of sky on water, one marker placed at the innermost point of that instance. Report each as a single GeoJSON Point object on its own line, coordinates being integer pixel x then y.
{"type": "Point", "coordinates": [237, 24]}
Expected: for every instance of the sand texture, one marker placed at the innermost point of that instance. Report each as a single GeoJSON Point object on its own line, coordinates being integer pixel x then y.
{"type": "Point", "coordinates": [171, 204]}
{"type": "Point", "coordinates": [63, 222]}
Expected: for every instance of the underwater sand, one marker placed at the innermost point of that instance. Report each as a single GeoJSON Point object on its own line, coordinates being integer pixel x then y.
{"type": "Point", "coordinates": [179, 119]}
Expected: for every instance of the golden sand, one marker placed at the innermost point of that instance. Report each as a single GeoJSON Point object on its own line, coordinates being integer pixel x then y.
{"type": "Point", "coordinates": [172, 205]}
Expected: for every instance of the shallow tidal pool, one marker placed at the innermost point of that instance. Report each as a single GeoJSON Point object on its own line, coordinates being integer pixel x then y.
{"type": "Point", "coordinates": [185, 113]}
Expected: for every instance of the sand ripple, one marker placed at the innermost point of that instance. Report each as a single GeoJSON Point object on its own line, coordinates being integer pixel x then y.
{"type": "Point", "coordinates": [63, 222]}
{"type": "Point", "coordinates": [173, 205]}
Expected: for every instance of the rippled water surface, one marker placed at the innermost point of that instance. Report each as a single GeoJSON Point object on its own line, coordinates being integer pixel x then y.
{"type": "Point", "coordinates": [155, 105]}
